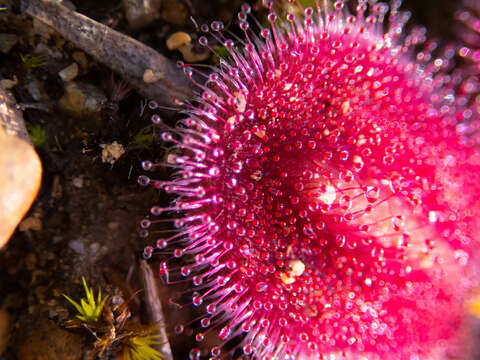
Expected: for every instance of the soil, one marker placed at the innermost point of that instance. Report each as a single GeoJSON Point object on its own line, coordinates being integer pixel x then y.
{"type": "Point", "coordinates": [88, 210]}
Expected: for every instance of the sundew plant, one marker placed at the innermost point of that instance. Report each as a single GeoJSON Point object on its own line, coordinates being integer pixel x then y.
{"type": "Point", "coordinates": [325, 185]}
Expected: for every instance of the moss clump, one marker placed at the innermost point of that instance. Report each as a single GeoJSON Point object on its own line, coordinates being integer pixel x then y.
{"type": "Point", "coordinates": [37, 135]}
{"type": "Point", "coordinates": [89, 309]}
{"type": "Point", "coordinates": [113, 328]}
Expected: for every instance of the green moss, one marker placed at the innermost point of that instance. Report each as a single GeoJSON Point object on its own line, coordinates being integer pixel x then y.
{"type": "Point", "coordinates": [113, 328]}
{"type": "Point", "coordinates": [140, 348]}
{"type": "Point", "coordinates": [31, 62]}
{"type": "Point", "coordinates": [222, 52]}
{"type": "Point", "coordinates": [143, 138]}
{"type": "Point", "coordinates": [37, 135]}
{"type": "Point", "coordinates": [308, 3]}
{"type": "Point", "coordinates": [89, 309]}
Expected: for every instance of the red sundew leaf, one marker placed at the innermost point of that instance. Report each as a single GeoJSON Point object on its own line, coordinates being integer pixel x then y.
{"type": "Point", "coordinates": [326, 201]}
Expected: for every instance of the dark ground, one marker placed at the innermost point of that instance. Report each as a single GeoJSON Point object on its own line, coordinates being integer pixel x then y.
{"type": "Point", "coordinates": [88, 209]}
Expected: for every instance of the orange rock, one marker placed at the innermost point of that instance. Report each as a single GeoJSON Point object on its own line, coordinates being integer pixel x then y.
{"type": "Point", "coordinates": [20, 169]}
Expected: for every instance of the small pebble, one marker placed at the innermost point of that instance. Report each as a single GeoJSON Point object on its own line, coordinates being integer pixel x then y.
{"type": "Point", "coordinates": [8, 84]}
{"type": "Point", "coordinates": [77, 246]}
{"type": "Point", "coordinates": [80, 98]}
{"type": "Point", "coordinates": [112, 152]}
{"type": "Point", "coordinates": [81, 59]}
{"type": "Point", "coordinates": [48, 51]}
{"type": "Point", "coordinates": [191, 55]}
{"type": "Point", "coordinates": [150, 77]}
{"type": "Point", "coordinates": [69, 73]}
{"type": "Point", "coordinates": [178, 39]}
{"type": "Point", "coordinates": [37, 90]}
{"type": "Point", "coordinates": [77, 182]}
{"type": "Point", "coordinates": [93, 248]}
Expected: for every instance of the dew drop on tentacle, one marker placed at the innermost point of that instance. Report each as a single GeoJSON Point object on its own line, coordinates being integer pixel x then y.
{"type": "Point", "coordinates": [194, 354]}
{"type": "Point", "coordinates": [316, 190]}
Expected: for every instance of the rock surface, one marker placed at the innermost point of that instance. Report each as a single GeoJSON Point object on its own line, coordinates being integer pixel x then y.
{"type": "Point", "coordinates": [47, 341]}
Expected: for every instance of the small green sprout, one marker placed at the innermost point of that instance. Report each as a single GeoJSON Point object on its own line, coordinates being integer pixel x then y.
{"type": "Point", "coordinates": [140, 348]}
{"type": "Point", "coordinates": [89, 310]}
{"type": "Point", "coordinates": [222, 52]}
{"type": "Point", "coordinates": [307, 3]}
{"type": "Point", "coordinates": [31, 62]}
{"type": "Point", "coordinates": [143, 138]}
{"type": "Point", "coordinates": [37, 135]}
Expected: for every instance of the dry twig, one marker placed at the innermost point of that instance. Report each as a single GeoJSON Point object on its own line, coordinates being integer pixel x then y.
{"type": "Point", "coordinates": [128, 57]}
{"type": "Point", "coordinates": [153, 306]}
